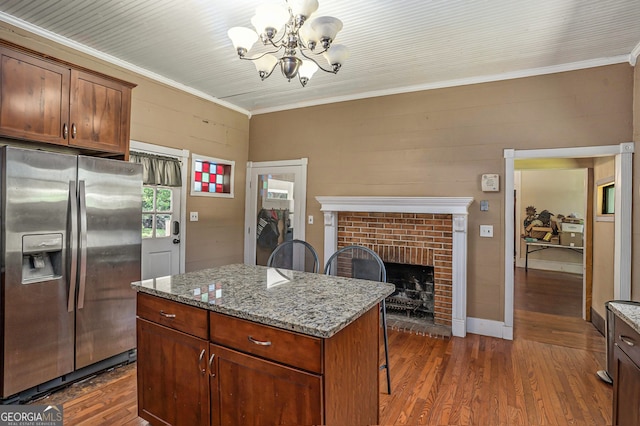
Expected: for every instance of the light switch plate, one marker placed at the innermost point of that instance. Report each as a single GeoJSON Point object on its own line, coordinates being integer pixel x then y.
{"type": "Point", "coordinates": [486, 231]}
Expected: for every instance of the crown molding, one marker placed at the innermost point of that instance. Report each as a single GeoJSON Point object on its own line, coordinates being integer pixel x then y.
{"type": "Point", "coordinates": [633, 56]}
{"type": "Point", "coordinates": [532, 72]}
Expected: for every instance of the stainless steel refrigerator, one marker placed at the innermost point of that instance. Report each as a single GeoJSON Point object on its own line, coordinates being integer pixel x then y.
{"type": "Point", "coordinates": [71, 239]}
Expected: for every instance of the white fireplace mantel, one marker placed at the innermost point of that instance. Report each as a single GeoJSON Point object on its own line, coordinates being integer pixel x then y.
{"type": "Point", "coordinates": [458, 207]}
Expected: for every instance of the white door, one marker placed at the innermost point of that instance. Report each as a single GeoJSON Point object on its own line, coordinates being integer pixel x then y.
{"type": "Point", "coordinates": [161, 231]}
{"type": "Point", "coordinates": [275, 206]}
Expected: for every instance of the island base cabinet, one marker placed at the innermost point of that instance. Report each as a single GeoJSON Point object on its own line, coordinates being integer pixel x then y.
{"type": "Point", "coordinates": [626, 397]}
{"type": "Point", "coordinates": [246, 390]}
{"type": "Point", "coordinates": [173, 385]}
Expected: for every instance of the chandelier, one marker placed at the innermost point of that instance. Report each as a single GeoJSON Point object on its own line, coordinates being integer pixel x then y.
{"type": "Point", "coordinates": [289, 32]}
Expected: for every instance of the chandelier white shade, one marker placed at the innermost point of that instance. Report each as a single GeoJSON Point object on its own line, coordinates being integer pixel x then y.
{"type": "Point", "coordinates": [303, 46]}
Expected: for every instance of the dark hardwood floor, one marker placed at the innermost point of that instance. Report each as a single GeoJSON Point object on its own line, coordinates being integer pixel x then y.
{"type": "Point", "coordinates": [545, 376]}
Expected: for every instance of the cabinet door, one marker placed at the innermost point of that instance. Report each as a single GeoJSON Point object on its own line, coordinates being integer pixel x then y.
{"type": "Point", "coordinates": [626, 395]}
{"type": "Point", "coordinates": [34, 98]}
{"type": "Point", "coordinates": [100, 113]}
{"type": "Point", "coordinates": [173, 387]}
{"type": "Point", "coordinates": [246, 390]}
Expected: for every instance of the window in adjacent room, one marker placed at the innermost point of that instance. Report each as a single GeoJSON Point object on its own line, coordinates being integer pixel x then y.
{"type": "Point", "coordinates": [605, 203]}
{"type": "Point", "coordinates": [211, 177]}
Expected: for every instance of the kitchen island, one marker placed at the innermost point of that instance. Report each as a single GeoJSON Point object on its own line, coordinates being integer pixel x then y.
{"type": "Point", "coordinates": [242, 344]}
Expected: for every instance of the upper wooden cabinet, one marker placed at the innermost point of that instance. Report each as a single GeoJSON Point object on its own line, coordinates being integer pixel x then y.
{"type": "Point", "coordinates": [54, 102]}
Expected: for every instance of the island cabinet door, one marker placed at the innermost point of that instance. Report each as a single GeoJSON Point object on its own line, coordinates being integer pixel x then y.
{"type": "Point", "coordinates": [173, 384]}
{"type": "Point", "coordinates": [246, 390]}
{"type": "Point", "coordinates": [626, 394]}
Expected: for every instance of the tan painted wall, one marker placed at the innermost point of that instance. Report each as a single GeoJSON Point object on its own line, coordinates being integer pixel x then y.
{"type": "Point", "coordinates": [603, 245]}
{"type": "Point", "coordinates": [165, 116]}
{"type": "Point", "coordinates": [439, 143]}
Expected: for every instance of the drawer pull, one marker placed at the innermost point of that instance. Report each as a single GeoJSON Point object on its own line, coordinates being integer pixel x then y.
{"type": "Point", "coordinates": [202, 369]}
{"type": "Point", "coordinates": [259, 342]}
{"type": "Point", "coordinates": [629, 341]}
{"type": "Point", "coordinates": [166, 315]}
{"type": "Point", "coordinates": [211, 372]}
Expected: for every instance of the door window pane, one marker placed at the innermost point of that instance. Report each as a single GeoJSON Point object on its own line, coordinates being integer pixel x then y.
{"type": "Point", "coordinates": [163, 197]}
{"type": "Point", "coordinates": [147, 199]}
{"type": "Point", "coordinates": [147, 225]}
{"type": "Point", "coordinates": [163, 224]}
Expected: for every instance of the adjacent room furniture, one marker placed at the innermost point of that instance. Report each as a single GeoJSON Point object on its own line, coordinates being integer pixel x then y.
{"type": "Point", "coordinates": [533, 247]}
{"type": "Point", "coordinates": [361, 262]}
{"type": "Point", "coordinates": [296, 255]}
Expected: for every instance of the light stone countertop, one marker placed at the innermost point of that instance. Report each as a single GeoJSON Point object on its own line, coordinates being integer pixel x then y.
{"type": "Point", "coordinates": [313, 304]}
{"type": "Point", "coordinates": [630, 313]}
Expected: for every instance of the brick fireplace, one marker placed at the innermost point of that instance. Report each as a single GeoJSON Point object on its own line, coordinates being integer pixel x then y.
{"type": "Point", "coordinates": [407, 238]}
{"type": "Point", "coordinates": [429, 231]}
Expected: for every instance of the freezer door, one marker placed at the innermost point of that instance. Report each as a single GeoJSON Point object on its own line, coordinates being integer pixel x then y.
{"type": "Point", "coordinates": [110, 205]}
{"type": "Point", "coordinates": [37, 324]}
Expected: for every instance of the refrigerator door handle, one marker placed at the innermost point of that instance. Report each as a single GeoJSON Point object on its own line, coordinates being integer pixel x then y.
{"type": "Point", "coordinates": [83, 243]}
{"type": "Point", "coordinates": [73, 244]}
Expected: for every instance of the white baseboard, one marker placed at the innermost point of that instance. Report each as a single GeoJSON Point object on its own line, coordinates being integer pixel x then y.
{"type": "Point", "coordinates": [485, 327]}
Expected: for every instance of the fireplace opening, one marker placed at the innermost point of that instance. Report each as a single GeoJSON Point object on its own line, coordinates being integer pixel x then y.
{"type": "Point", "coordinates": [414, 292]}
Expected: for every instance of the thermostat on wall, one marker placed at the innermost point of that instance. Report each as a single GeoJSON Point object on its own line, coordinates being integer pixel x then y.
{"type": "Point", "coordinates": [490, 183]}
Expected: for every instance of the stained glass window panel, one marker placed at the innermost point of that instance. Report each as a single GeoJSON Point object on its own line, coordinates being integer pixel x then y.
{"type": "Point", "coordinates": [212, 176]}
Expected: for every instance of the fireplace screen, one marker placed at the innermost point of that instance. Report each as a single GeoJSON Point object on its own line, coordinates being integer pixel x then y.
{"type": "Point", "coordinates": [414, 290]}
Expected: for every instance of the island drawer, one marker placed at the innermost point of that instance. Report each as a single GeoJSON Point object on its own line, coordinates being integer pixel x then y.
{"type": "Point", "coordinates": [283, 346]}
{"type": "Point", "coordinates": [627, 339]}
{"type": "Point", "coordinates": [178, 316]}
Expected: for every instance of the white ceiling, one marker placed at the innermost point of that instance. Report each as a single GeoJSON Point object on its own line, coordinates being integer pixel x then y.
{"type": "Point", "coordinates": [396, 46]}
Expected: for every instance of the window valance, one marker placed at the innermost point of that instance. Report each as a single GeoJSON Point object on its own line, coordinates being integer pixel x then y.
{"type": "Point", "coordinates": [157, 169]}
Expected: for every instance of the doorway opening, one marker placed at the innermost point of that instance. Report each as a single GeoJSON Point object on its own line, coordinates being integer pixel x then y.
{"type": "Point", "coordinates": [163, 218]}
{"type": "Point", "coordinates": [623, 154]}
{"type": "Point", "coordinates": [275, 207]}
